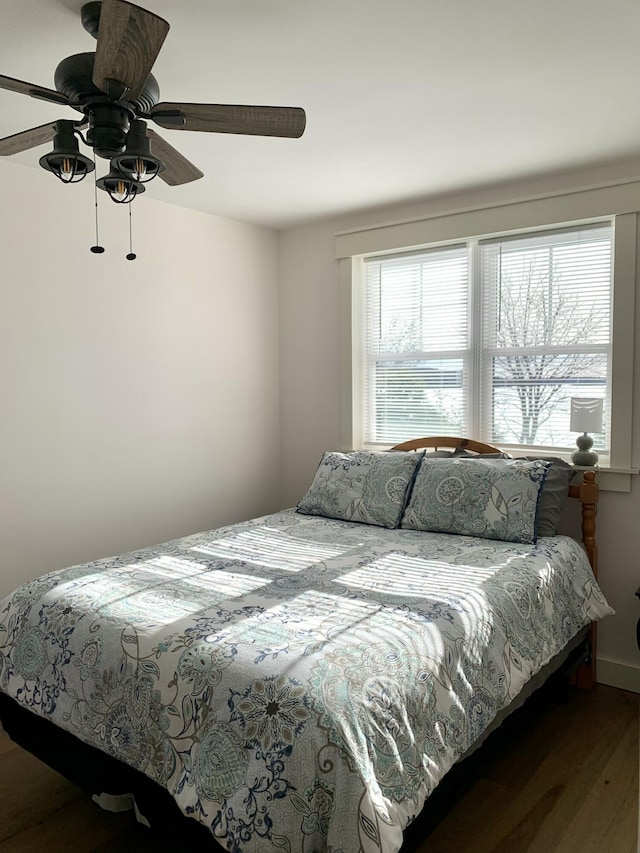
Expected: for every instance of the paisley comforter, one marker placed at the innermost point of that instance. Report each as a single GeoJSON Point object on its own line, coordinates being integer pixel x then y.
{"type": "Point", "coordinates": [297, 684]}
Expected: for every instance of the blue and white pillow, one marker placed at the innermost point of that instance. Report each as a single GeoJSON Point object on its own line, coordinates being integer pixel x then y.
{"type": "Point", "coordinates": [365, 485]}
{"type": "Point", "coordinates": [493, 499]}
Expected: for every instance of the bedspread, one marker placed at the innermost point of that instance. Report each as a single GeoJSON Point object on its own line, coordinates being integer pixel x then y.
{"type": "Point", "coordinates": [296, 683]}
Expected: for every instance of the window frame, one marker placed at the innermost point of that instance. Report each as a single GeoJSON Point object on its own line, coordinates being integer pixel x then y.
{"type": "Point", "coordinates": [618, 203]}
{"type": "Point", "coordinates": [474, 293]}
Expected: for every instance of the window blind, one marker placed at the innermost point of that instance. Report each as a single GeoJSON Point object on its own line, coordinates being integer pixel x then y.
{"type": "Point", "coordinates": [416, 355]}
{"type": "Point", "coordinates": [490, 338]}
{"type": "Point", "coordinates": [547, 333]}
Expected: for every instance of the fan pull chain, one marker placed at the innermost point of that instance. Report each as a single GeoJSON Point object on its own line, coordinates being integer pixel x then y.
{"type": "Point", "coordinates": [97, 249]}
{"type": "Point", "coordinates": [131, 256]}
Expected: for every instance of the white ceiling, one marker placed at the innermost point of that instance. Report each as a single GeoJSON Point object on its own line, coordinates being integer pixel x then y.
{"type": "Point", "coordinates": [404, 98]}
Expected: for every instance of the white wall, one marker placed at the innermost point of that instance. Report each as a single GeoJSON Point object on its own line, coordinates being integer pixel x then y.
{"type": "Point", "coordinates": [139, 400]}
{"type": "Point", "coordinates": [310, 388]}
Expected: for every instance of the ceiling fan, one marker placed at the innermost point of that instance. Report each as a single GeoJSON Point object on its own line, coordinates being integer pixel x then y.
{"type": "Point", "coordinates": [117, 95]}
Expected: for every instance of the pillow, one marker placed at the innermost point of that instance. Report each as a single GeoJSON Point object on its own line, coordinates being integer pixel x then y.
{"type": "Point", "coordinates": [366, 485]}
{"type": "Point", "coordinates": [554, 493]}
{"type": "Point", "coordinates": [490, 498]}
{"type": "Point", "coordinates": [463, 453]}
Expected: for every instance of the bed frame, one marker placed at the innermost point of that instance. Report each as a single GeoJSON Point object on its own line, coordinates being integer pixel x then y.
{"type": "Point", "coordinates": [82, 764]}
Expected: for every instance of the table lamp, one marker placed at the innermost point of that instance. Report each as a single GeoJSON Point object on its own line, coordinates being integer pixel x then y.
{"type": "Point", "coordinates": [586, 416]}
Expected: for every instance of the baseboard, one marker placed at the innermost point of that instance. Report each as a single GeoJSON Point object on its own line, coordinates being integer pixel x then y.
{"type": "Point", "coordinates": [626, 676]}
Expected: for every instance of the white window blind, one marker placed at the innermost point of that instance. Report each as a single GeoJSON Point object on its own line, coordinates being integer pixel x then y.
{"type": "Point", "coordinates": [416, 359]}
{"type": "Point", "coordinates": [489, 339]}
{"type": "Point", "coordinates": [547, 333]}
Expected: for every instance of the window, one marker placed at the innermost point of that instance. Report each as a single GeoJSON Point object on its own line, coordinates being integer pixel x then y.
{"type": "Point", "coordinates": [488, 338]}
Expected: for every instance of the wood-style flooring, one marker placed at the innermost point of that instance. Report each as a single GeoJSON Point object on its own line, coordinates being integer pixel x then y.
{"type": "Point", "coordinates": [570, 785]}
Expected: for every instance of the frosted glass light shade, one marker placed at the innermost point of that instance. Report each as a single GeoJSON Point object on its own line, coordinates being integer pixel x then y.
{"type": "Point", "coordinates": [586, 414]}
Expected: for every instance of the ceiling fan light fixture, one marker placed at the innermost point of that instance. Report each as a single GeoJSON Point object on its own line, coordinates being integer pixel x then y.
{"type": "Point", "coordinates": [121, 188]}
{"type": "Point", "coordinates": [136, 160]}
{"type": "Point", "coordinates": [141, 169]}
{"type": "Point", "coordinates": [65, 161]}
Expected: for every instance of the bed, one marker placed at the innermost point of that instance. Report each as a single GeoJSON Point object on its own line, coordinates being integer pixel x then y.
{"type": "Point", "coordinates": [304, 681]}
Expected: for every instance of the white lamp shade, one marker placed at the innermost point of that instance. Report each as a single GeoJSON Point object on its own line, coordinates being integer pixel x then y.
{"type": "Point", "coordinates": [586, 414]}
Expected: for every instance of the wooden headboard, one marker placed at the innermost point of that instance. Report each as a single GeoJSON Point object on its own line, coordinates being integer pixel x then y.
{"type": "Point", "coordinates": [447, 441]}
{"type": "Point", "coordinates": [586, 491]}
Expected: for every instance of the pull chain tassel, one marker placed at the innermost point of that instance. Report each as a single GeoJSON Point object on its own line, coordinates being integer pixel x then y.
{"type": "Point", "coordinates": [97, 249]}
{"type": "Point", "coordinates": [131, 256]}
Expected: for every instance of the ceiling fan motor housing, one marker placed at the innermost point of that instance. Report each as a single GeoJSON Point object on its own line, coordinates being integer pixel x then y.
{"type": "Point", "coordinates": [108, 129]}
{"type": "Point", "coordinates": [108, 119]}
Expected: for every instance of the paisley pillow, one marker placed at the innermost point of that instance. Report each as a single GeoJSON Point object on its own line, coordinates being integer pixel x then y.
{"type": "Point", "coordinates": [493, 499]}
{"type": "Point", "coordinates": [366, 485]}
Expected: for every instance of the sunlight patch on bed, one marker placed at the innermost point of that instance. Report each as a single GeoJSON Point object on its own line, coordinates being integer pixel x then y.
{"type": "Point", "coordinates": [164, 568]}
{"type": "Point", "coordinates": [164, 604]}
{"type": "Point", "coordinates": [408, 578]}
{"type": "Point", "coordinates": [133, 599]}
{"type": "Point", "coordinates": [411, 576]}
{"type": "Point", "coordinates": [168, 567]}
{"type": "Point", "coordinates": [271, 549]}
{"type": "Point", "coordinates": [309, 620]}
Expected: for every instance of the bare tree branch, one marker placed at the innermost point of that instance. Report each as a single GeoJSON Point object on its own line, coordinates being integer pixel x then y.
{"type": "Point", "coordinates": [537, 310]}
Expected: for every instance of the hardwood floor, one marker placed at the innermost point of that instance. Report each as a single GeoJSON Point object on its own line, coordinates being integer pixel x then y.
{"type": "Point", "coordinates": [569, 786]}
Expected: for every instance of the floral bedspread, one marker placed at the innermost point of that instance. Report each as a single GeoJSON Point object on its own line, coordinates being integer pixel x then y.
{"type": "Point", "coordinates": [298, 684]}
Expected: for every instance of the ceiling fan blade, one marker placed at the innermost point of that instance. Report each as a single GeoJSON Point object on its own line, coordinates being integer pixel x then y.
{"type": "Point", "coordinates": [230, 118]}
{"type": "Point", "coordinates": [178, 170]}
{"type": "Point", "coordinates": [129, 40]}
{"type": "Point", "coordinates": [27, 139]}
{"type": "Point", "coordinates": [32, 90]}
